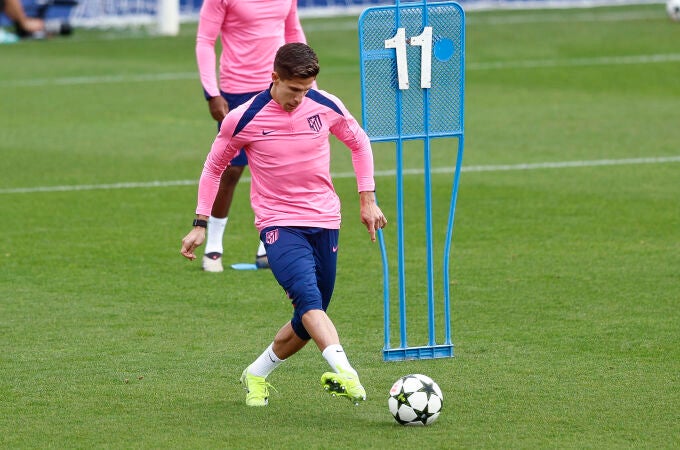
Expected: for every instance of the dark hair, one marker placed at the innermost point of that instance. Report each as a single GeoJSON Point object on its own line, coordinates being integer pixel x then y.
{"type": "Point", "coordinates": [296, 60]}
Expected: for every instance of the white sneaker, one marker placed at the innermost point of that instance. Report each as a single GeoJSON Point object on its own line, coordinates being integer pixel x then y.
{"type": "Point", "coordinates": [212, 262]}
{"type": "Point", "coordinates": [7, 37]}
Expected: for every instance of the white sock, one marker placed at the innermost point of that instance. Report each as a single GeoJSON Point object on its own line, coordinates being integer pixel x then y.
{"type": "Point", "coordinates": [335, 355]}
{"type": "Point", "coordinates": [265, 363]}
{"type": "Point", "coordinates": [213, 241]}
{"type": "Point", "coordinates": [260, 250]}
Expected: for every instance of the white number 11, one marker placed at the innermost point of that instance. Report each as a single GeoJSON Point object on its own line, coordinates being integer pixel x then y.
{"type": "Point", "coordinates": [424, 41]}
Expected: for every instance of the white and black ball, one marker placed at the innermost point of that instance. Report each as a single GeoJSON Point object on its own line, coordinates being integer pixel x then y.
{"type": "Point", "coordinates": [415, 400]}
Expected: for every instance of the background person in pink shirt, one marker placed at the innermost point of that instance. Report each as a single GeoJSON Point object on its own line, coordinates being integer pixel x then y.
{"type": "Point", "coordinates": [250, 32]}
{"type": "Point", "coordinates": [284, 131]}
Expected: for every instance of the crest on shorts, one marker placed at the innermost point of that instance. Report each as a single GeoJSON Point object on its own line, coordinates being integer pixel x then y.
{"type": "Point", "coordinates": [314, 122]}
{"type": "Point", "coordinates": [271, 236]}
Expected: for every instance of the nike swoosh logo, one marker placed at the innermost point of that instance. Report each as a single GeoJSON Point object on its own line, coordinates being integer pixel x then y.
{"type": "Point", "coordinates": [264, 133]}
{"type": "Point", "coordinates": [335, 249]}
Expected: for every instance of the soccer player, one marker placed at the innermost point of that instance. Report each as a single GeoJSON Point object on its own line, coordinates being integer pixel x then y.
{"type": "Point", "coordinates": [284, 131]}
{"type": "Point", "coordinates": [251, 31]}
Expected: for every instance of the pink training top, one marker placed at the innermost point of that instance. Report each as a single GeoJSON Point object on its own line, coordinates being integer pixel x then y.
{"type": "Point", "coordinates": [251, 32]}
{"type": "Point", "coordinates": [289, 159]}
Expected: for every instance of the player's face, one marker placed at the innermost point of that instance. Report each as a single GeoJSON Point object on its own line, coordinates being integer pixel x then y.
{"type": "Point", "coordinates": [289, 93]}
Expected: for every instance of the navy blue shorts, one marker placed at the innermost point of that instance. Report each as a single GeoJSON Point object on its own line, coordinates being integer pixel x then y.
{"type": "Point", "coordinates": [234, 100]}
{"type": "Point", "coordinates": [303, 261]}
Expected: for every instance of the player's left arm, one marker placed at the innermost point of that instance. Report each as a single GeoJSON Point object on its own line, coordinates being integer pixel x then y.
{"type": "Point", "coordinates": [371, 214]}
{"type": "Point", "coordinates": [347, 130]}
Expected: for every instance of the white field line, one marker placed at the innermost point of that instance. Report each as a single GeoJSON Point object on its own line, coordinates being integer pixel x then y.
{"type": "Point", "coordinates": [577, 62]}
{"type": "Point", "coordinates": [383, 173]}
{"type": "Point", "coordinates": [471, 66]}
{"type": "Point", "coordinates": [105, 79]}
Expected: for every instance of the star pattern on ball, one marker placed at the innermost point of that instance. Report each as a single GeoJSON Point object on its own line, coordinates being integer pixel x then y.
{"type": "Point", "coordinates": [415, 400]}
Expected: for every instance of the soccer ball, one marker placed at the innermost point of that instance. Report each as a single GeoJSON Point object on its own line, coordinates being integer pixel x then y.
{"type": "Point", "coordinates": [415, 400]}
{"type": "Point", "coordinates": [673, 9]}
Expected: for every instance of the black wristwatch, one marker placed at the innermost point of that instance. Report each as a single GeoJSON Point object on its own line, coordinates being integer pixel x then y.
{"type": "Point", "coordinates": [200, 223]}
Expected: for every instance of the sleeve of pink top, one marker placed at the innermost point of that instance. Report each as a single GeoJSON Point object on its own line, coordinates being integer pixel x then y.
{"type": "Point", "coordinates": [221, 152]}
{"type": "Point", "coordinates": [209, 26]}
{"type": "Point", "coordinates": [349, 132]}
{"type": "Point", "coordinates": [362, 160]}
{"type": "Point", "coordinates": [294, 32]}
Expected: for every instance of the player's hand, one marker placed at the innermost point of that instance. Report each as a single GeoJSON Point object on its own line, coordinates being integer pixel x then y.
{"type": "Point", "coordinates": [192, 241]}
{"type": "Point", "coordinates": [371, 214]}
{"type": "Point", "coordinates": [218, 108]}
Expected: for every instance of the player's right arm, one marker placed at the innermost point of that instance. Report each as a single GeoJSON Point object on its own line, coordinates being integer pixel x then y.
{"type": "Point", "coordinates": [293, 28]}
{"type": "Point", "coordinates": [224, 148]}
{"type": "Point", "coordinates": [194, 239]}
{"type": "Point", "coordinates": [209, 29]}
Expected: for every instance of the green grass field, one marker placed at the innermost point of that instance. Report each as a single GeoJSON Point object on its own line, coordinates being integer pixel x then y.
{"type": "Point", "coordinates": [565, 264]}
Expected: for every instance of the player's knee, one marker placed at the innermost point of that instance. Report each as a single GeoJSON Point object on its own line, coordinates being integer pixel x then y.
{"type": "Point", "coordinates": [299, 329]}
{"type": "Point", "coordinates": [305, 297]}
